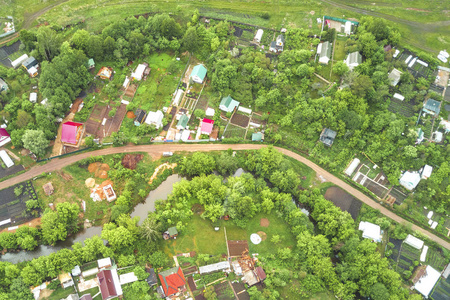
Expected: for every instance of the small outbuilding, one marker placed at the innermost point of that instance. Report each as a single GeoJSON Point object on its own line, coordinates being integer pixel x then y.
{"type": "Point", "coordinates": [3, 85]}
{"type": "Point", "coordinates": [182, 122]}
{"type": "Point", "coordinates": [6, 159]}
{"type": "Point", "coordinates": [327, 136]}
{"type": "Point", "coordinates": [127, 278]}
{"type": "Point", "coordinates": [33, 97]}
{"type": "Point", "coordinates": [170, 233]}
{"type": "Point", "coordinates": [432, 107]}
{"type": "Point", "coordinates": [91, 63]}
{"type": "Point", "coordinates": [31, 65]}
{"type": "Point", "coordinates": [258, 36]}
{"type": "Point", "coordinates": [324, 51]}
{"type": "Point", "coordinates": [5, 138]}
{"type": "Point", "coordinates": [399, 97]}
{"type": "Point", "coordinates": [104, 263]}
{"type": "Point", "coordinates": [257, 137]}
{"type": "Point", "coordinates": [280, 43]}
{"type": "Point", "coordinates": [353, 60]}
{"type": "Point", "coordinates": [210, 112]}
{"type": "Point", "coordinates": [394, 77]}
{"type": "Point", "coordinates": [139, 72]}
{"type": "Point", "coordinates": [17, 62]}
{"type": "Point", "coordinates": [426, 171]}
{"type": "Point", "coordinates": [48, 188]}
{"type": "Point", "coordinates": [155, 118]}
{"type": "Point", "coordinates": [409, 180]}
{"type": "Point", "coordinates": [66, 280]}
{"type": "Point", "coordinates": [178, 97]}
{"type": "Point", "coordinates": [71, 133]}
{"type": "Point", "coordinates": [198, 73]}
{"type": "Point", "coordinates": [140, 117]}
{"type": "Point", "coordinates": [207, 126]}
{"type": "Point", "coordinates": [228, 104]}
{"type": "Point", "coordinates": [370, 231]}
{"type": "Point", "coordinates": [105, 73]}
{"type": "Point", "coordinates": [220, 266]}
{"type": "Point", "coordinates": [151, 279]}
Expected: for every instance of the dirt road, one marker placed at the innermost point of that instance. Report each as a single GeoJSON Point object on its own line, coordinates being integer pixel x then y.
{"type": "Point", "coordinates": [156, 151]}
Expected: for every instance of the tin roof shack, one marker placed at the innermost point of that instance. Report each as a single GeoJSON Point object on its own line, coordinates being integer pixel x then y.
{"type": "Point", "coordinates": [198, 73]}
{"type": "Point", "coordinates": [151, 279]}
{"type": "Point", "coordinates": [171, 233]}
{"type": "Point", "coordinates": [109, 193]}
{"type": "Point", "coordinates": [91, 63]}
{"type": "Point", "coordinates": [409, 180]}
{"type": "Point", "coordinates": [172, 281]}
{"type": "Point", "coordinates": [182, 122]}
{"type": "Point", "coordinates": [140, 117]}
{"type": "Point", "coordinates": [66, 280]}
{"type": "Point", "coordinates": [31, 65]}
{"type": "Point", "coordinates": [109, 284]}
{"type": "Point", "coordinates": [257, 137]}
{"type": "Point", "coordinates": [327, 136]}
{"type": "Point", "coordinates": [4, 137]}
{"type": "Point", "coordinates": [105, 73]}
{"type": "Point", "coordinates": [48, 188]}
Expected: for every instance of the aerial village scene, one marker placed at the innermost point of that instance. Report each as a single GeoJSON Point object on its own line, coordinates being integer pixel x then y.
{"type": "Point", "coordinates": [199, 151]}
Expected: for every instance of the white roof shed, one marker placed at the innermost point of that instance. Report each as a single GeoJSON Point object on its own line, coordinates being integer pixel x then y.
{"type": "Point", "coordinates": [352, 167]}
{"type": "Point", "coordinates": [33, 97]}
{"type": "Point", "coordinates": [370, 231]}
{"type": "Point", "coordinates": [19, 61]}
{"type": "Point", "coordinates": [104, 262]}
{"type": "Point", "coordinates": [410, 180]}
{"type": "Point", "coordinates": [220, 266]}
{"type": "Point", "coordinates": [426, 172]}
{"type": "Point", "coordinates": [6, 159]}
{"type": "Point", "coordinates": [258, 35]}
{"type": "Point", "coordinates": [127, 278]}
{"type": "Point", "coordinates": [427, 281]}
{"type": "Point", "coordinates": [423, 255]}
{"type": "Point", "coordinates": [414, 242]}
{"type": "Point", "coordinates": [178, 96]}
{"type": "Point", "coordinates": [139, 72]}
{"type": "Point", "coordinates": [155, 118]}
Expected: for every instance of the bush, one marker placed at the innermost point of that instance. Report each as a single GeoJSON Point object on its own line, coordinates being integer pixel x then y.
{"type": "Point", "coordinates": [18, 190]}
{"type": "Point", "coordinates": [54, 284]}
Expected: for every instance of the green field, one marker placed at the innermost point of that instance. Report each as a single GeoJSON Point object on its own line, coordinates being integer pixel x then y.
{"type": "Point", "coordinates": [428, 19]}
{"type": "Point", "coordinates": [201, 237]}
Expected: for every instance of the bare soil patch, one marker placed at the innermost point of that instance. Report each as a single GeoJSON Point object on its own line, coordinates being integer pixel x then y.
{"type": "Point", "coordinates": [264, 222]}
{"type": "Point", "coordinates": [65, 176]}
{"type": "Point", "coordinates": [130, 161]}
{"type": "Point", "coordinates": [263, 235]}
{"type": "Point", "coordinates": [236, 248]}
{"type": "Point", "coordinates": [100, 170]}
{"type": "Point", "coordinates": [343, 200]}
{"type": "Point", "coordinates": [240, 120]}
{"type": "Point", "coordinates": [131, 115]}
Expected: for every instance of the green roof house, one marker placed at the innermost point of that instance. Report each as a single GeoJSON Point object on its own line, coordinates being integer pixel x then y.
{"type": "Point", "coordinates": [91, 63]}
{"type": "Point", "coordinates": [182, 122]}
{"type": "Point", "coordinates": [257, 137]}
{"type": "Point", "coordinates": [432, 107]}
{"type": "Point", "coordinates": [228, 104]}
{"type": "Point", "coordinates": [198, 73]}
{"type": "Point", "coordinates": [170, 233]}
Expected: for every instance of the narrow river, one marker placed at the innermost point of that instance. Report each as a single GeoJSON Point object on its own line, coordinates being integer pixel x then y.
{"type": "Point", "coordinates": [141, 210]}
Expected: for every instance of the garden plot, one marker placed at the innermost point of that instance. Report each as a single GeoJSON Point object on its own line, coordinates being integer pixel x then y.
{"type": "Point", "coordinates": [398, 195]}
{"type": "Point", "coordinates": [10, 171]}
{"type": "Point", "coordinates": [441, 290]}
{"type": "Point", "coordinates": [435, 259]}
{"type": "Point", "coordinates": [344, 201]}
{"type": "Point", "coordinates": [408, 255]}
{"type": "Point", "coordinates": [12, 204]}
{"type": "Point", "coordinates": [403, 108]}
{"type": "Point", "coordinates": [373, 179]}
{"type": "Point", "coordinates": [240, 120]}
{"type": "Point", "coordinates": [232, 131]}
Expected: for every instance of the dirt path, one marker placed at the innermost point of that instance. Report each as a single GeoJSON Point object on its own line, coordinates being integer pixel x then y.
{"type": "Point", "coordinates": [156, 151]}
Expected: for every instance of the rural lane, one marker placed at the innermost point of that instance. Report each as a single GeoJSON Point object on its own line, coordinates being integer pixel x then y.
{"type": "Point", "coordinates": [156, 151]}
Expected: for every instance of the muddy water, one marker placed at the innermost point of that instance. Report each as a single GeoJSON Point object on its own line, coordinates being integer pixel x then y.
{"type": "Point", "coordinates": [160, 193]}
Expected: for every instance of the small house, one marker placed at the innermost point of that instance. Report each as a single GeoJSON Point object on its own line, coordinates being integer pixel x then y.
{"type": "Point", "coordinates": [170, 233]}
{"type": "Point", "coordinates": [140, 117]}
{"type": "Point", "coordinates": [327, 136]}
{"type": "Point", "coordinates": [151, 279]}
{"type": "Point", "coordinates": [182, 122]}
{"type": "Point", "coordinates": [432, 107]}
{"type": "Point", "coordinates": [280, 43]}
{"type": "Point", "coordinates": [17, 62]}
{"type": "Point", "coordinates": [172, 281]}
{"type": "Point", "coordinates": [394, 77]}
{"type": "Point", "coordinates": [105, 73]}
{"type": "Point", "coordinates": [258, 36]}
{"type": "Point", "coordinates": [139, 72]}
{"type": "Point", "coordinates": [91, 63]}
{"type": "Point", "coordinates": [3, 85]}
{"type": "Point", "coordinates": [33, 97]}
{"type": "Point", "coordinates": [198, 73]}
{"type": "Point", "coordinates": [426, 172]}
{"type": "Point", "coordinates": [5, 138]}
{"type": "Point", "coordinates": [6, 159]}
{"type": "Point", "coordinates": [228, 104]}
{"type": "Point", "coordinates": [66, 280]}
{"type": "Point", "coordinates": [185, 135]}
{"type": "Point", "coordinates": [370, 231]}
{"type": "Point", "coordinates": [207, 126]}
{"type": "Point", "coordinates": [409, 180]}
{"type": "Point", "coordinates": [427, 281]}
{"type": "Point", "coordinates": [71, 133]}
{"type": "Point", "coordinates": [353, 60]}
{"type": "Point", "coordinates": [155, 118]}
{"type": "Point", "coordinates": [48, 188]}
{"type": "Point", "coordinates": [31, 65]}
{"type": "Point", "coordinates": [324, 52]}
{"type": "Point", "coordinates": [109, 283]}
{"type": "Point", "coordinates": [257, 137]}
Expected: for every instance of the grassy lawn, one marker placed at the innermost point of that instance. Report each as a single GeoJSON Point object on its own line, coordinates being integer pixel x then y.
{"type": "Point", "coordinates": [61, 293]}
{"type": "Point", "coordinates": [157, 90]}
{"type": "Point", "coordinates": [201, 237]}
{"type": "Point", "coordinates": [339, 50]}
{"type": "Point", "coordinates": [234, 131]}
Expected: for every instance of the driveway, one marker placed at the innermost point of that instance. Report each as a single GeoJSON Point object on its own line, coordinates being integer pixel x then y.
{"type": "Point", "coordinates": [155, 151]}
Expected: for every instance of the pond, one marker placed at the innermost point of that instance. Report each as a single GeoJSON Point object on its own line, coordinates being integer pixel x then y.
{"type": "Point", "coordinates": [160, 193]}
{"type": "Point", "coordinates": [141, 210]}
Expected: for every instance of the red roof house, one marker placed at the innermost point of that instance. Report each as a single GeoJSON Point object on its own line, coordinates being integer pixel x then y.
{"type": "Point", "coordinates": [172, 280]}
{"type": "Point", "coordinates": [109, 284]}
{"type": "Point", "coordinates": [4, 137]}
{"type": "Point", "coordinates": [71, 132]}
{"type": "Point", "coordinates": [207, 126]}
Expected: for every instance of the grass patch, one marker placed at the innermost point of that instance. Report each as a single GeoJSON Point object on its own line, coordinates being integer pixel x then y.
{"type": "Point", "coordinates": [61, 293]}
{"type": "Point", "coordinates": [234, 131]}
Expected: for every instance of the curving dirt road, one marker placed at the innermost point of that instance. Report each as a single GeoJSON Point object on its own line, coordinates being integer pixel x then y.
{"type": "Point", "coordinates": [156, 151]}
